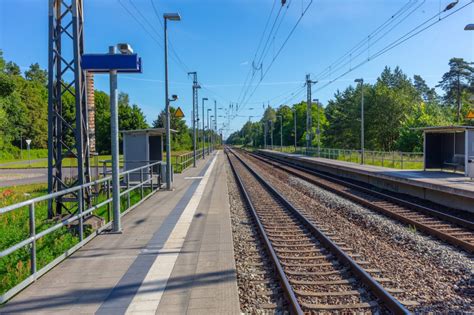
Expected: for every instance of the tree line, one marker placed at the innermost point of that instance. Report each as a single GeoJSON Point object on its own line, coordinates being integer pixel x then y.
{"type": "Point", "coordinates": [24, 112]}
{"type": "Point", "coordinates": [395, 107]}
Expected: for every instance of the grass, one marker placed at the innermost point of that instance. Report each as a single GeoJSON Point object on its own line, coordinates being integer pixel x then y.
{"type": "Point", "coordinates": [14, 228]}
{"type": "Point", "coordinates": [68, 162]}
{"type": "Point", "coordinates": [386, 160]}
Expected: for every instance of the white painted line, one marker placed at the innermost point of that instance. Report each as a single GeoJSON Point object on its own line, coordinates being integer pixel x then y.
{"type": "Point", "coordinates": [194, 177]}
{"type": "Point", "coordinates": [148, 296]}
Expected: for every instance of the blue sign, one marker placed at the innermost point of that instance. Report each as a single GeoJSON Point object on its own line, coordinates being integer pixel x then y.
{"type": "Point", "coordinates": [106, 62]}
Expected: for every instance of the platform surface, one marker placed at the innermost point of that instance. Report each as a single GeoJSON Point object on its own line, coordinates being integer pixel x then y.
{"type": "Point", "coordinates": [443, 181]}
{"type": "Point", "coordinates": [175, 256]}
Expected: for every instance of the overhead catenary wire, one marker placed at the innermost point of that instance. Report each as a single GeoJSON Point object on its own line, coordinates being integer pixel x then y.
{"type": "Point", "coordinates": [278, 52]}
{"type": "Point", "coordinates": [154, 34]}
{"type": "Point", "coordinates": [370, 40]}
{"type": "Point", "coordinates": [259, 44]}
{"type": "Point", "coordinates": [408, 35]}
{"type": "Point", "coordinates": [363, 42]}
{"type": "Point", "coordinates": [259, 60]}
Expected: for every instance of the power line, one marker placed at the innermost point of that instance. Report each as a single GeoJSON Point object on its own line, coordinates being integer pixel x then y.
{"type": "Point", "coordinates": [370, 40]}
{"type": "Point", "coordinates": [173, 51]}
{"type": "Point", "coordinates": [410, 34]}
{"type": "Point", "coordinates": [279, 51]}
{"type": "Point", "coordinates": [259, 60]}
{"type": "Point", "coordinates": [258, 46]}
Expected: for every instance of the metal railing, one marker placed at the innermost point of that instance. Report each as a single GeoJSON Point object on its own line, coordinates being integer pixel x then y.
{"type": "Point", "coordinates": [147, 176]}
{"type": "Point", "coordinates": [184, 161]}
{"type": "Point", "coordinates": [393, 159]}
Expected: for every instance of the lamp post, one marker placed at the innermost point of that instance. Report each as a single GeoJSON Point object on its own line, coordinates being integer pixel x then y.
{"type": "Point", "coordinates": [212, 131]}
{"type": "Point", "coordinates": [469, 27]}
{"type": "Point", "coordinates": [281, 132]}
{"type": "Point", "coordinates": [203, 129]}
{"type": "Point", "coordinates": [362, 136]}
{"type": "Point", "coordinates": [208, 133]}
{"type": "Point", "coordinates": [166, 17]}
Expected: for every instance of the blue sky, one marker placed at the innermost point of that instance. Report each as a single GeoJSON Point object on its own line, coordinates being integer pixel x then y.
{"type": "Point", "coordinates": [218, 39]}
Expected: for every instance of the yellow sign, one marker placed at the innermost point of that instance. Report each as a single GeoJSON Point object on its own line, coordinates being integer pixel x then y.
{"type": "Point", "coordinates": [178, 113]}
{"type": "Point", "coordinates": [470, 115]}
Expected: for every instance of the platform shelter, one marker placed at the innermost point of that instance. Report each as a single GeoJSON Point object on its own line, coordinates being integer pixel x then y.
{"type": "Point", "coordinates": [141, 147]}
{"type": "Point", "coordinates": [449, 148]}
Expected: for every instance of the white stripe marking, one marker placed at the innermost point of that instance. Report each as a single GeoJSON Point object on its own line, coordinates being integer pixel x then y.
{"type": "Point", "coordinates": [151, 290]}
{"type": "Point", "coordinates": [193, 177]}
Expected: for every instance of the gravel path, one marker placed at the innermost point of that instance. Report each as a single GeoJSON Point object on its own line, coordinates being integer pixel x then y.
{"type": "Point", "coordinates": [258, 289]}
{"type": "Point", "coordinates": [435, 275]}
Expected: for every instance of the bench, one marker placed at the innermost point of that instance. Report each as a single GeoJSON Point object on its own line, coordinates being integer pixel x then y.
{"type": "Point", "coordinates": [457, 161]}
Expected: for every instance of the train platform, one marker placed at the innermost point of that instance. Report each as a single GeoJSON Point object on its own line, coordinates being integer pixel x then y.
{"type": "Point", "coordinates": [175, 256]}
{"type": "Point", "coordinates": [445, 188]}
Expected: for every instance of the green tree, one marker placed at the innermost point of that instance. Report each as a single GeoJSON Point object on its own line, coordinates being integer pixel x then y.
{"type": "Point", "coordinates": [36, 74]}
{"type": "Point", "coordinates": [182, 139]}
{"type": "Point", "coordinates": [457, 81]}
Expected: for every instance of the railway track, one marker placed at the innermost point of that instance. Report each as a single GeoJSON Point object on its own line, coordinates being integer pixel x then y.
{"type": "Point", "coordinates": [453, 230]}
{"type": "Point", "coordinates": [317, 274]}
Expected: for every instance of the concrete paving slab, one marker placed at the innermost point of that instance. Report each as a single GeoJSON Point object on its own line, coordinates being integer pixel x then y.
{"type": "Point", "coordinates": [105, 275]}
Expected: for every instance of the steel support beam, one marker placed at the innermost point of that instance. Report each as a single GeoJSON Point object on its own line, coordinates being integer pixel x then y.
{"type": "Point", "coordinates": [67, 133]}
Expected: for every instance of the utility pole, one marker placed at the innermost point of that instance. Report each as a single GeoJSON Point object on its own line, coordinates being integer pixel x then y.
{"type": "Point", "coordinates": [271, 133]}
{"type": "Point", "coordinates": [294, 119]}
{"type": "Point", "coordinates": [208, 133]}
{"type": "Point", "coordinates": [196, 86]}
{"type": "Point", "coordinates": [265, 127]}
{"type": "Point", "coordinates": [215, 124]}
{"type": "Point", "coordinates": [318, 130]}
{"type": "Point", "coordinates": [281, 132]}
{"type": "Point", "coordinates": [362, 135]}
{"type": "Point", "coordinates": [459, 97]}
{"type": "Point", "coordinates": [309, 119]}
{"type": "Point", "coordinates": [203, 129]}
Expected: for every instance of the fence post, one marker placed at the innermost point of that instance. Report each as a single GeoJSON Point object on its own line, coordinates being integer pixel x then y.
{"type": "Point", "coordinates": [109, 209]}
{"type": "Point", "coordinates": [33, 234]}
{"type": "Point", "coordinates": [402, 160]}
{"type": "Point", "coordinates": [151, 177]}
{"type": "Point", "coordinates": [128, 193]}
{"type": "Point", "coordinates": [141, 183]}
{"type": "Point", "coordinates": [80, 206]}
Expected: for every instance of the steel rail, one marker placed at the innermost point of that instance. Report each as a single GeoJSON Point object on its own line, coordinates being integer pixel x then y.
{"type": "Point", "coordinates": [387, 299]}
{"type": "Point", "coordinates": [411, 206]}
{"type": "Point", "coordinates": [291, 297]}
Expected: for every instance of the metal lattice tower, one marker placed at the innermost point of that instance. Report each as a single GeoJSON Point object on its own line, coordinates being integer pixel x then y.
{"type": "Point", "coordinates": [67, 127]}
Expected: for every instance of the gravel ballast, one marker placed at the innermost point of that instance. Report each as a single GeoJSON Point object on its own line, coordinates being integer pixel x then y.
{"type": "Point", "coordinates": [258, 289]}
{"type": "Point", "coordinates": [433, 274]}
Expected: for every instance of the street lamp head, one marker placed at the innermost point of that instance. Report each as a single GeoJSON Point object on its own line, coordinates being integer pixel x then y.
{"type": "Point", "coordinates": [205, 99]}
{"type": "Point", "coordinates": [359, 80]}
{"type": "Point", "coordinates": [451, 5]}
{"type": "Point", "coordinates": [174, 97]}
{"type": "Point", "coordinates": [469, 27]}
{"type": "Point", "coordinates": [125, 49]}
{"type": "Point", "coordinates": [209, 109]}
{"type": "Point", "coordinates": [316, 100]}
{"type": "Point", "coordinates": [172, 16]}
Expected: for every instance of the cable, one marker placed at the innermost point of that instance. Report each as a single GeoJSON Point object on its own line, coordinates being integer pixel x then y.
{"type": "Point", "coordinates": [246, 88]}
{"type": "Point", "coordinates": [173, 51]}
{"type": "Point", "coordinates": [410, 34]}
{"type": "Point", "coordinates": [370, 40]}
{"type": "Point", "coordinates": [279, 51]}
